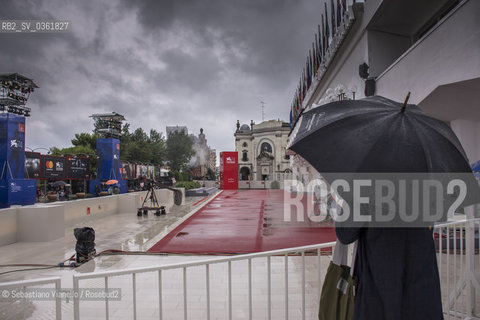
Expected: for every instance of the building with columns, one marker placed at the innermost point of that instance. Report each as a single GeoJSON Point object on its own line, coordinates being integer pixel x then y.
{"type": "Point", "coordinates": [261, 150]}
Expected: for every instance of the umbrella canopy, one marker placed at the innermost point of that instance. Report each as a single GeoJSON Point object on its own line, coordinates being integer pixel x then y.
{"type": "Point", "coordinates": [59, 183]}
{"type": "Point", "coordinates": [376, 138]}
{"type": "Point", "coordinates": [113, 181]}
{"type": "Point", "coordinates": [377, 135]}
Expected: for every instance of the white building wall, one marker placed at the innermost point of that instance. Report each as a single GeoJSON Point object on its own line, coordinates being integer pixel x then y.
{"type": "Point", "coordinates": [447, 54]}
{"type": "Point", "coordinates": [468, 132]}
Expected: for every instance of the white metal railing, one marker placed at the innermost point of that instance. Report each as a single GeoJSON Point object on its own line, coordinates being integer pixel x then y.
{"type": "Point", "coordinates": [457, 245]}
{"type": "Point", "coordinates": [286, 253]}
{"type": "Point", "coordinates": [457, 274]}
{"type": "Point", "coordinates": [24, 284]}
{"type": "Point", "coordinates": [457, 256]}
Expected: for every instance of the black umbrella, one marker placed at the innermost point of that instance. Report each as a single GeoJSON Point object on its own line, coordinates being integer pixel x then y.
{"type": "Point", "coordinates": [59, 183]}
{"type": "Point", "coordinates": [378, 135]}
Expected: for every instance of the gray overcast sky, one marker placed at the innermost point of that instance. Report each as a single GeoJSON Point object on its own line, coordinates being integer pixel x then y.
{"type": "Point", "coordinates": [203, 63]}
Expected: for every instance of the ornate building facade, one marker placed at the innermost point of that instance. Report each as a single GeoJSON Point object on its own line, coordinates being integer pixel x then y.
{"type": "Point", "coordinates": [261, 151]}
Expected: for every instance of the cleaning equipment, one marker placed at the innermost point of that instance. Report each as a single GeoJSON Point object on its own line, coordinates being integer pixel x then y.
{"type": "Point", "coordinates": [85, 247]}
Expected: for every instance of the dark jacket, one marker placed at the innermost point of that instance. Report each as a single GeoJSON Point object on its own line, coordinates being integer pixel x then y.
{"type": "Point", "coordinates": [397, 272]}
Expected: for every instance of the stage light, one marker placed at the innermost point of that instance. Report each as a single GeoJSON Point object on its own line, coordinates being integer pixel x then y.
{"type": "Point", "coordinates": [16, 90]}
{"type": "Point", "coordinates": [369, 87]}
{"type": "Point", "coordinates": [363, 70]}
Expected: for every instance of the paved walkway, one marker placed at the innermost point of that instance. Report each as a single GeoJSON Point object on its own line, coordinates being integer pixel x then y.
{"type": "Point", "coordinates": [129, 232]}
{"type": "Point", "coordinates": [243, 221]}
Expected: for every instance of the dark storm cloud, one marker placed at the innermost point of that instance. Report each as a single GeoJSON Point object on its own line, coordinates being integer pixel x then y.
{"type": "Point", "coordinates": [269, 32]}
{"type": "Point", "coordinates": [197, 63]}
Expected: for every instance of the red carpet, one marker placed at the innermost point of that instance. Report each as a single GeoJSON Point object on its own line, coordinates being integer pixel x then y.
{"type": "Point", "coordinates": [242, 221]}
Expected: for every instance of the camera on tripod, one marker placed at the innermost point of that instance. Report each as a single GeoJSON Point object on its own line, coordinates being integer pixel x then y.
{"type": "Point", "coordinates": [152, 198]}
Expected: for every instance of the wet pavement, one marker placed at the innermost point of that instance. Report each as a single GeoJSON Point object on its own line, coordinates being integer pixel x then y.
{"type": "Point", "coordinates": [132, 233]}
{"type": "Point", "coordinates": [244, 221]}
{"type": "Point", "coordinates": [123, 231]}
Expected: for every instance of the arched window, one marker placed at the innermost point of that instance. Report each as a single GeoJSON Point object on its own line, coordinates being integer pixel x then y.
{"type": "Point", "coordinates": [244, 156]}
{"type": "Point", "coordinates": [244, 173]}
{"type": "Point", "coordinates": [266, 147]}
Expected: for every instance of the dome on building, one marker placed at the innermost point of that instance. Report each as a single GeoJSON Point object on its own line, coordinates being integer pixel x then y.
{"type": "Point", "coordinates": [245, 127]}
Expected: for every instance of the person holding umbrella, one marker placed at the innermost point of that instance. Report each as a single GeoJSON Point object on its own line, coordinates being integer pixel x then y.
{"type": "Point", "coordinates": [110, 184]}
{"type": "Point", "coordinates": [396, 267]}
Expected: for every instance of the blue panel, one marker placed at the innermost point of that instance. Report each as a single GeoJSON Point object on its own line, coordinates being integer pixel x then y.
{"type": "Point", "coordinates": [92, 184]}
{"type": "Point", "coordinates": [17, 192]}
{"type": "Point", "coordinates": [4, 194]}
{"type": "Point", "coordinates": [108, 164]}
{"type": "Point", "coordinates": [22, 191]}
{"type": "Point", "coordinates": [123, 186]}
{"type": "Point", "coordinates": [14, 190]}
{"type": "Point", "coordinates": [12, 145]}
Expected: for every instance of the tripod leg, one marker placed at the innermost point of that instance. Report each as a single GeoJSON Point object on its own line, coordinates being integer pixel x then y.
{"type": "Point", "coordinates": [146, 198]}
{"type": "Point", "coordinates": [156, 204]}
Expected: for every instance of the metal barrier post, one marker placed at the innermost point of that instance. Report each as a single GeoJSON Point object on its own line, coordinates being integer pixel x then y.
{"type": "Point", "coordinates": [470, 262]}
{"type": "Point", "coordinates": [76, 299]}
{"type": "Point", "coordinates": [58, 300]}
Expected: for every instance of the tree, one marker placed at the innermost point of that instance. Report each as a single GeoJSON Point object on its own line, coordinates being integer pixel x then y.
{"type": "Point", "coordinates": [179, 150]}
{"type": "Point", "coordinates": [158, 147]}
{"type": "Point", "coordinates": [210, 174]}
{"type": "Point", "coordinates": [140, 147]}
{"type": "Point", "coordinates": [85, 139]}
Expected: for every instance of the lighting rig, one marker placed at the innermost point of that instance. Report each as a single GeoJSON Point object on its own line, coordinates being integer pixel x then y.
{"type": "Point", "coordinates": [108, 125]}
{"type": "Point", "coordinates": [15, 90]}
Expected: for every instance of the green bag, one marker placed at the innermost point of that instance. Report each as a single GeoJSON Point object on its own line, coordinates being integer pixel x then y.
{"type": "Point", "coordinates": [338, 290]}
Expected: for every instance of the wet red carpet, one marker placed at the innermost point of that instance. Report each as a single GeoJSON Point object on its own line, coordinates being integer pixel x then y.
{"type": "Point", "coordinates": [243, 221]}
